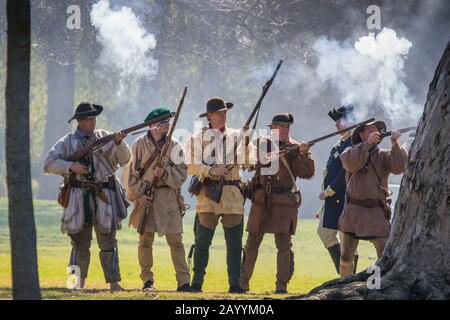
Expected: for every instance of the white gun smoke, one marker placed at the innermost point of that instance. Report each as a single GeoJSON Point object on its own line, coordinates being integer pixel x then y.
{"type": "Point", "coordinates": [370, 74]}
{"type": "Point", "coordinates": [127, 46]}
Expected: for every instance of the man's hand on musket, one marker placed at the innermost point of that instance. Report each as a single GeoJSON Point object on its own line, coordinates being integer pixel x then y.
{"type": "Point", "coordinates": [304, 147]}
{"type": "Point", "coordinates": [219, 170]}
{"type": "Point", "coordinates": [79, 168]}
{"type": "Point", "coordinates": [395, 136]}
{"type": "Point", "coordinates": [158, 172]}
{"type": "Point", "coordinates": [144, 201]}
{"type": "Point", "coordinates": [374, 138]}
{"type": "Point", "coordinates": [119, 136]}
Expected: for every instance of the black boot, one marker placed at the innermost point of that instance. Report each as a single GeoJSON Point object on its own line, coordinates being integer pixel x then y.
{"type": "Point", "coordinates": [236, 289]}
{"type": "Point", "coordinates": [184, 288]}
{"type": "Point", "coordinates": [233, 239]}
{"type": "Point", "coordinates": [195, 287]}
{"type": "Point", "coordinates": [203, 238]}
{"type": "Point", "coordinates": [335, 253]}
{"type": "Point", "coordinates": [148, 286]}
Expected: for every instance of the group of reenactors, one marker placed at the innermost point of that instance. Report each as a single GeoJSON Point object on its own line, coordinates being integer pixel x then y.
{"type": "Point", "coordinates": [355, 193]}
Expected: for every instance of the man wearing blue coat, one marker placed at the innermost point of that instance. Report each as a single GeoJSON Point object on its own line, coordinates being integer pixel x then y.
{"type": "Point", "coordinates": [334, 186]}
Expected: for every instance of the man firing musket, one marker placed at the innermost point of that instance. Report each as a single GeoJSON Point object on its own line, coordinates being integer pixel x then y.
{"type": "Point", "coordinates": [91, 195]}
{"type": "Point", "coordinates": [276, 199]}
{"type": "Point", "coordinates": [153, 180]}
{"type": "Point", "coordinates": [367, 212]}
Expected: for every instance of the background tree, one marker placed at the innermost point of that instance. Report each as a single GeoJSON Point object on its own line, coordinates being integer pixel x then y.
{"type": "Point", "coordinates": [416, 261]}
{"type": "Point", "coordinates": [20, 205]}
{"type": "Point", "coordinates": [58, 44]}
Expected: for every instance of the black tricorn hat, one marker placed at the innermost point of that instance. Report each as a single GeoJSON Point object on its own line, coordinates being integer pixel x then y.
{"type": "Point", "coordinates": [355, 136]}
{"type": "Point", "coordinates": [216, 104]}
{"type": "Point", "coordinates": [86, 110]}
{"type": "Point", "coordinates": [282, 118]}
{"type": "Point", "coordinates": [341, 112]}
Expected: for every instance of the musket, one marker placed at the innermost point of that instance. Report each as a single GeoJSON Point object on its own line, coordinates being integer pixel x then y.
{"type": "Point", "coordinates": [217, 194]}
{"type": "Point", "coordinates": [404, 130]}
{"type": "Point", "coordinates": [159, 164]}
{"type": "Point", "coordinates": [265, 89]}
{"type": "Point", "coordinates": [289, 149]}
{"type": "Point", "coordinates": [99, 143]}
{"type": "Point", "coordinates": [91, 146]}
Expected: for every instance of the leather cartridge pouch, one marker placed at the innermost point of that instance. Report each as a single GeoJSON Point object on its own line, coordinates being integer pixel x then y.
{"type": "Point", "coordinates": [195, 186]}
{"type": "Point", "coordinates": [210, 187]}
{"type": "Point", "coordinates": [64, 192]}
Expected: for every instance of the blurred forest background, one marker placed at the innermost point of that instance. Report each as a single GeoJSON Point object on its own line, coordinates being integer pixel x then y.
{"type": "Point", "coordinates": [131, 56]}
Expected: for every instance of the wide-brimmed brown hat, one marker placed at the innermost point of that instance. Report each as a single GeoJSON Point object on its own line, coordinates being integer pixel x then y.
{"type": "Point", "coordinates": [282, 118]}
{"type": "Point", "coordinates": [86, 110]}
{"type": "Point", "coordinates": [355, 136]}
{"type": "Point", "coordinates": [216, 104]}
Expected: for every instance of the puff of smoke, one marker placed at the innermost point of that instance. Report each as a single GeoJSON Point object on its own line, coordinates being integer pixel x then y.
{"type": "Point", "coordinates": [369, 74]}
{"type": "Point", "coordinates": [126, 44]}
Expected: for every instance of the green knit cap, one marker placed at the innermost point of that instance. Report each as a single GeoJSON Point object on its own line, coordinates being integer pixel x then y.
{"type": "Point", "coordinates": [156, 113]}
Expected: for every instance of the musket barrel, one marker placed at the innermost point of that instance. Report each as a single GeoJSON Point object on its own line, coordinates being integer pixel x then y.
{"type": "Point", "coordinates": [404, 130]}
{"type": "Point", "coordinates": [261, 98]}
{"type": "Point", "coordinates": [312, 142]}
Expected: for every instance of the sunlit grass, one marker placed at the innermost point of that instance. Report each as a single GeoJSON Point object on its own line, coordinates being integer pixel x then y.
{"type": "Point", "coordinates": [313, 266]}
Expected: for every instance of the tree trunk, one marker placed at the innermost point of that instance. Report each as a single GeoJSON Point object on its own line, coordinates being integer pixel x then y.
{"type": "Point", "coordinates": [60, 95]}
{"type": "Point", "coordinates": [18, 176]}
{"type": "Point", "coordinates": [416, 261]}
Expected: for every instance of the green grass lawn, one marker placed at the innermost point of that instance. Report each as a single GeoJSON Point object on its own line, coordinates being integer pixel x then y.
{"type": "Point", "coordinates": [313, 266]}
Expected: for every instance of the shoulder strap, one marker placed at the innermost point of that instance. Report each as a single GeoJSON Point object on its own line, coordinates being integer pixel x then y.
{"type": "Point", "coordinates": [149, 162]}
{"type": "Point", "coordinates": [286, 164]}
{"type": "Point", "coordinates": [387, 192]}
{"type": "Point", "coordinates": [374, 169]}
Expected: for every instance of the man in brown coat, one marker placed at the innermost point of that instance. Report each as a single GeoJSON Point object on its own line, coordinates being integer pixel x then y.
{"type": "Point", "coordinates": [366, 214]}
{"type": "Point", "coordinates": [275, 204]}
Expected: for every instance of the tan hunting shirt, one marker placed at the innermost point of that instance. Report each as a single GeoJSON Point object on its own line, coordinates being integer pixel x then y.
{"type": "Point", "coordinates": [165, 218]}
{"type": "Point", "coordinates": [232, 201]}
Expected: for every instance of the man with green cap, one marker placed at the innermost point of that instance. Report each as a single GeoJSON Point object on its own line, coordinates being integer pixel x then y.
{"type": "Point", "coordinates": [97, 200]}
{"type": "Point", "coordinates": [276, 200]}
{"type": "Point", "coordinates": [165, 218]}
{"type": "Point", "coordinates": [208, 148]}
{"type": "Point", "coordinates": [366, 214]}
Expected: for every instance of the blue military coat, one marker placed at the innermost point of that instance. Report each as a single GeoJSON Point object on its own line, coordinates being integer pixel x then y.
{"type": "Point", "coordinates": [334, 182]}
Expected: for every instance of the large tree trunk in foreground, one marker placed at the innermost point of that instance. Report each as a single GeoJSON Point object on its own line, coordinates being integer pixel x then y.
{"type": "Point", "coordinates": [18, 173]}
{"type": "Point", "coordinates": [416, 261]}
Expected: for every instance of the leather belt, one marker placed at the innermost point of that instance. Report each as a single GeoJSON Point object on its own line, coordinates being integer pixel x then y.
{"type": "Point", "coordinates": [93, 184]}
{"type": "Point", "coordinates": [236, 183]}
{"type": "Point", "coordinates": [366, 203]}
{"type": "Point", "coordinates": [272, 189]}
